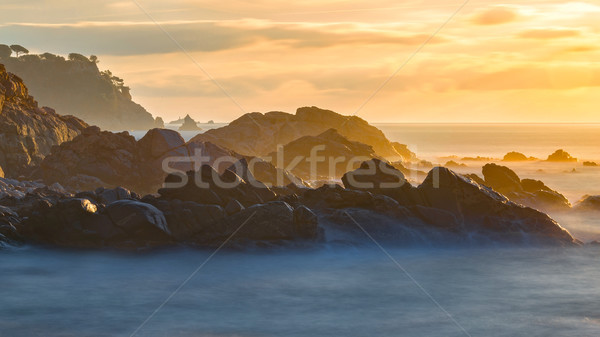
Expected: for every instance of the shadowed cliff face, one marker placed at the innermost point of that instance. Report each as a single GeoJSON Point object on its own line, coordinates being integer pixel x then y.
{"type": "Point", "coordinates": [259, 134]}
{"type": "Point", "coordinates": [78, 88]}
{"type": "Point", "coordinates": [27, 132]}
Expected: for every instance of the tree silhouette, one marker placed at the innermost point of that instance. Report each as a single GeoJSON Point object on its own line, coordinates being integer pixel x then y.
{"type": "Point", "coordinates": [78, 57]}
{"type": "Point", "coordinates": [94, 58]}
{"type": "Point", "coordinates": [19, 49]}
{"type": "Point", "coordinates": [5, 51]}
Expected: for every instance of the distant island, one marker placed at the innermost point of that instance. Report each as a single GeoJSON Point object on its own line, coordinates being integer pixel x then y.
{"type": "Point", "coordinates": [189, 124]}
{"type": "Point", "coordinates": [75, 86]}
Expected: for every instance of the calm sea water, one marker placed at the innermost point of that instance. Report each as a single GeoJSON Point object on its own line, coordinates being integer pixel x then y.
{"type": "Point", "coordinates": [327, 292]}
{"type": "Point", "coordinates": [333, 291]}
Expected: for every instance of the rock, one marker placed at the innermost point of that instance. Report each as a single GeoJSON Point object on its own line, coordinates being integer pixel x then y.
{"type": "Point", "coordinates": [517, 156]}
{"type": "Point", "coordinates": [27, 132]}
{"type": "Point", "coordinates": [501, 179]}
{"type": "Point", "coordinates": [139, 220]}
{"type": "Point", "coordinates": [588, 203]}
{"type": "Point", "coordinates": [159, 123]}
{"type": "Point", "coordinates": [585, 163]}
{"type": "Point", "coordinates": [189, 124]}
{"type": "Point", "coordinates": [374, 174]}
{"type": "Point", "coordinates": [326, 146]}
{"type": "Point", "coordinates": [306, 222]}
{"type": "Point", "coordinates": [233, 206]}
{"type": "Point", "coordinates": [273, 221]}
{"type": "Point", "coordinates": [158, 142]}
{"type": "Point", "coordinates": [453, 164]}
{"type": "Point", "coordinates": [108, 196]}
{"type": "Point", "coordinates": [257, 134]}
{"type": "Point", "coordinates": [529, 192]}
{"type": "Point", "coordinates": [561, 156]}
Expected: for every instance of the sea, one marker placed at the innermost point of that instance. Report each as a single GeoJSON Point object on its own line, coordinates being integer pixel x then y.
{"type": "Point", "coordinates": [336, 290]}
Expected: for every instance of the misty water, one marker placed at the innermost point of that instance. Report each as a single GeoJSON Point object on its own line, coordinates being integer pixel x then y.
{"type": "Point", "coordinates": [333, 290]}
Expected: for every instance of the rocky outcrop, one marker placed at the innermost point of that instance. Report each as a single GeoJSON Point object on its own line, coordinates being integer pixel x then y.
{"type": "Point", "coordinates": [529, 192]}
{"type": "Point", "coordinates": [561, 156]}
{"type": "Point", "coordinates": [259, 134]}
{"type": "Point", "coordinates": [517, 156]}
{"type": "Point", "coordinates": [104, 159]}
{"type": "Point", "coordinates": [77, 87]}
{"type": "Point", "coordinates": [189, 124]}
{"type": "Point", "coordinates": [27, 132]}
{"type": "Point", "coordinates": [460, 205]}
{"type": "Point", "coordinates": [589, 203]}
{"type": "Point", "coordinates": [311, 157]}
{"type": "Point", "coordinates": [445, 209]}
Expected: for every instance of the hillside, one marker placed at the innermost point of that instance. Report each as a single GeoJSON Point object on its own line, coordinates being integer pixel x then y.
{"type": "Point", "coordinates": [75, 86]}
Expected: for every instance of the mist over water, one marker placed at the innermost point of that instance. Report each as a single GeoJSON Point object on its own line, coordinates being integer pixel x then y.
{"type": "Point", "coordinates": [328, 291]}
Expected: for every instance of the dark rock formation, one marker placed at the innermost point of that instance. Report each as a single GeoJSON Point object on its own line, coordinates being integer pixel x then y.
{"type": "Point", "coordinates": [258, 134]}
{"type": "Point", "coordinates": [529, 192]}
{"type": "Point", "coordinates": [446, 209]}
{"type": "Point", "coordinates": [189, 124]}
{"type": "Point", "coordinates": [76, 87]}
{"type": "Point", "coordinates": [517, 156]}
{"type": "Point", "coordinates": [561, 156]}
{"type": "Point", "coordinates": [310, 157]}
{"type": "Point", "coordinates": [27, 132]}
{"type": "Point", "coordinates": [590, 164]}
{"type": "Point", "coordinates": [104, 159]}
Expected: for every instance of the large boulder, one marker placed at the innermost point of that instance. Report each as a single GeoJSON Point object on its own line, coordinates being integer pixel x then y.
{"type": "Point", "coordinates": [502, 179]}
{"type": "Point", "coordinates": [561, 156]}
{"type": "Point", "coordinates": [139, 220]}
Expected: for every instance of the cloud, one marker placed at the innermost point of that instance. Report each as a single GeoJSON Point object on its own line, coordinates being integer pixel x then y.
{"type": "Point", "coordinates": [548, 34]}
{"type": "Point", "coordinates": [137, 38]}
{"type": "Point", "coordinates": [495, 16]}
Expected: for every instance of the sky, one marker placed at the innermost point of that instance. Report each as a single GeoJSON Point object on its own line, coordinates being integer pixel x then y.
{"type": "Point", "coordinates": [433, 61]}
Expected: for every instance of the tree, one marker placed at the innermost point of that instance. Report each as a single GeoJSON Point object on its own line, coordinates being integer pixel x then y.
{"type": "Point", "coordinates": [78, 57]}
{"type": "Point", "coordinates": [19, 49]}
{"type": "Point", "coordinates": [94, 58]}
{"type": "Point", "coordinates": [5, 51]}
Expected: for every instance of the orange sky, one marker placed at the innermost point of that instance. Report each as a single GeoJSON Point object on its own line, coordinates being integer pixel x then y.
{"type": "Point", "coordinates": [507, 61]}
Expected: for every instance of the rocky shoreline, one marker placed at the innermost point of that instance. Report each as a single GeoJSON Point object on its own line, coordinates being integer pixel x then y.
{"type": "Point", "coordinates": [446, 208]}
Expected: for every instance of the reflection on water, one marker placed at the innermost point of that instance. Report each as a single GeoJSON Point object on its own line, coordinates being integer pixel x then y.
{"type": "Point", "coordinates": [325, 292]}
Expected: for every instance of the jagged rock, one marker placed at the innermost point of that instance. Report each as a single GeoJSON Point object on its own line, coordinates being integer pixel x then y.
{"type": "Point", "coordinates": [561, 156]}
{"type": "Point", "coordinates": [327, 145]}
{"type": "Point", "coordinates": [189, 124]}
{"type": "Point", "coordinates": [529, 192]}
{"type": "Point", "coordinates": [257, 134]}
{"type": "Point", "coordinates": [27, 132]}
{"type": "Point", "coordinates": [306, 222]}
{"type": "Point", "coordinates": [208, 187]}
{"type": "Point", "coordinates": [502, 179]}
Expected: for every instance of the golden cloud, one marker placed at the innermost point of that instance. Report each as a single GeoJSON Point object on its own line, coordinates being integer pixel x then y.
{"type": "Point", "coordinates": [548, 34]}
{"type": "Point", "coordinates": [495, 16]}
